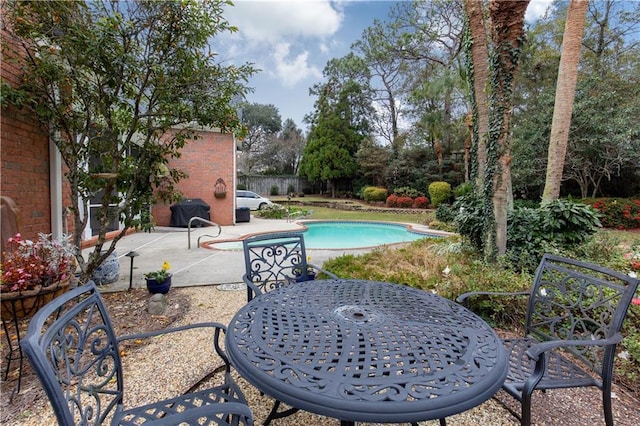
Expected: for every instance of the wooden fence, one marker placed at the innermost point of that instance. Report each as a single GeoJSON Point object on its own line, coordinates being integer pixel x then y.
{"type": "Point", "coordinates": [263, 184]}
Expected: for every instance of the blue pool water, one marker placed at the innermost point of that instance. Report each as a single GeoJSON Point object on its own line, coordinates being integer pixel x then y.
{"type": "Point", "coordinates": [348, 235]}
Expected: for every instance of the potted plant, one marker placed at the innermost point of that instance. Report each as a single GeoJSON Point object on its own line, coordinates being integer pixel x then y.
{"type": "Point", "coordinates": [33, 273]}
{"type": "Point", "coordinates": [159, 281]}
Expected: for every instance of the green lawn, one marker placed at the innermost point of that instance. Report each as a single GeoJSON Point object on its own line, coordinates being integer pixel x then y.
{"type": "Point", "coordinates": [330, 213]}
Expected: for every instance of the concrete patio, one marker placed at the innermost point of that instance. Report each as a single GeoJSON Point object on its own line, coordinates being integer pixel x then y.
{"type": "Point", "coordinates": [197, 266]}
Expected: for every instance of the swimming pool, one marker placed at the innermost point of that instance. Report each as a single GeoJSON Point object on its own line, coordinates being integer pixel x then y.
{"type": "Point", "coordinates": [347, 235]}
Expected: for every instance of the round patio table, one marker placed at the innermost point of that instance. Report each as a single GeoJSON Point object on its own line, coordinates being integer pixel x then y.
{"type": "Point", "coordinates": [366, 351]}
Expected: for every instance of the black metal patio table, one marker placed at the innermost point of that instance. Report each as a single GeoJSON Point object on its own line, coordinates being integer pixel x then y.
{"type": "Point", "coordinates": [366, 351]}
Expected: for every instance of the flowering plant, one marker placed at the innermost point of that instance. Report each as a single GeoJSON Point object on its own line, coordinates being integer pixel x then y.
{"type": "Point", "coordinates": [160, 275]}
{"type": "Point", "coordinates": [28, 264]}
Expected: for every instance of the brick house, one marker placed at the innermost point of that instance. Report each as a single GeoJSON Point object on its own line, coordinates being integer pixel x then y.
{"type": "Point", "coordinates": [31, 173]}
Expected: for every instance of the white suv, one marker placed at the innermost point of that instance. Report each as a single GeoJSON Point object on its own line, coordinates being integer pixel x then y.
{"type": "Point", "coordinates": [251, 200]}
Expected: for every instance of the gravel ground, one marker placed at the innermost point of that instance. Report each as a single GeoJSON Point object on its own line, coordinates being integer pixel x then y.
{"type": "Point", "coordinates": [170, 364]}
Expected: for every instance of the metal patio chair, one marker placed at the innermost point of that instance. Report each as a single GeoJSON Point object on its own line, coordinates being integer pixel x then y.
{"type": "Point", "coordinates": [274, 260]}
{"type": "Point", "coordinates": [572, 326]}
{"type": "Point", "coordinates": [73, 349]}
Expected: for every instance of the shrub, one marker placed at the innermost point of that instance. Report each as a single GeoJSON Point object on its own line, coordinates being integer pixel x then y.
{"type": "Point", "coordinates": [272, 211]}
{"type": "Point", "coordinates": [420, 203]}
{"type": "Point", "coordinates": [374, 193]}
{"type": "Point", "coordinates": [463, 189]}
{"type": "Point", "coordinates": [241, 186]}
{"type": "Point", "coordinates": [618, 213]}
{"type": "Point", "coordinates": [439, 192]}
{"type": "Point", "coordinates": [444, 213]}
{"type": "Point", "coordinates": [407, 191]}
{"type": "Point", "coordinates": [392, 201]}
{"type": "Point", "coordinates": [556, 226]}
{"type": "Point", "coordinates": [469, 219]}
{"type": "Point", "coordinates": [405, 202]}
{"type": "Point", "coordinates": [569, 222]}
{"type": "Point", "coordinates": [291, 189]}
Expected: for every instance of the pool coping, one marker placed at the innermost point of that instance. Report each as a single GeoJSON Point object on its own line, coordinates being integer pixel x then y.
{"type": "Point", "coordinates": [410, 227]}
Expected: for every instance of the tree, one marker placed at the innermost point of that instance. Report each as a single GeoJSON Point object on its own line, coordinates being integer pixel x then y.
{"type": "Point", "coordinates": [372, 160]}
{"type": "Point", "coordinates": [263, 123]}
{"type": "Point", "coordinates": [376, 45]}
{"type": "Point", "coordinates": [340, 122]}
{"type": "Point", "coordinates": [478, 73]}
{"type": "Point", "coordinates": [121, 87]}
{"type": "Point", "coordinates": [283, 153]}
{"type": "Point", "coordinates": [429, 37]}
{"type": "Point", "coordinates": [332, 142]}
{"type": "Point", "coordinates": [602, 153]}
{"type": "Point", "coordinates": [507, 38]}
{"type": "Point", "coordinates": [565, 93]}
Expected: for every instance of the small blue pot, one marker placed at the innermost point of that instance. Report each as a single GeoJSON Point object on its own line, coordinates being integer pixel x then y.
{"type": "Point", "coordinates": [158, 287]}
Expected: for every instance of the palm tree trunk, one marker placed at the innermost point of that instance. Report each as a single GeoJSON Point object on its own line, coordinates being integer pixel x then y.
{"type": "Point", "coordinates": [565, 93]}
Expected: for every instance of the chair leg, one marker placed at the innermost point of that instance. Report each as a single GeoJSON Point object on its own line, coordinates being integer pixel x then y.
{"type": "Point", "coordinates": [606, 405]}
{"type": "Point", "coordinates": [525, 415]}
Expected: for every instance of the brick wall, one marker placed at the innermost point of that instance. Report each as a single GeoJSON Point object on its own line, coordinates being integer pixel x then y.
{"type": "Point", "coordinates": [205, 160]}
{"type": "Point", "coordinates": [24, 159]}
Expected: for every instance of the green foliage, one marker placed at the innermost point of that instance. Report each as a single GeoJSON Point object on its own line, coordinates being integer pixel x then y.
{"type": "Point", "coordinates": [273, 211]}
{"type": "Point", "coordinates": [463, 189]}
{"type": "Point", "coordinates": [556, 226]}
{"type": "Point", "coordinates": [374, 193]}
{"type": "Point", "coordinates": [469, 218]}
{"type": "Point", "coordinates": [109, 81]}
{"type": "Point", "coordinates": [617, 213]}
{"type": "Point", "coordinates": [439, 192]}
{"type": "Point", "coordinates": [407, 191]}
{"type": "Point", "coordinates": [241, 186]}
{"type": "Point", "coordinates": [340, 123]}
{"type": "Point", "coordinates": [569, 222]}
{"type": "Point", "coordinates": [629, 363]}
{"type": "Point", "coordinates": [445, 213]}
{"type": "Point", "coordinates": [291, 189]}
{"type": "Point", "coordinates": [274, 190]}
{"type": "Point", "coordinates": [262, 123]}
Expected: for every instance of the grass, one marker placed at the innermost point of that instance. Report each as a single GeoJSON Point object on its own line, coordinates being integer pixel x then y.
{"type": "Point", "coordinates": [329, 213]}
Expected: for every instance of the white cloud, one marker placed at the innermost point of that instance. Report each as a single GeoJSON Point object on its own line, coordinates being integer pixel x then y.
{"type": "Point", "coordinates": [536, 9]}
{"type": "Point", "coordinates": [292, 71]}
{"type": "Point", "coordinates": [287, 39]}
{"type": "Point", "coordinates": [271, 21]}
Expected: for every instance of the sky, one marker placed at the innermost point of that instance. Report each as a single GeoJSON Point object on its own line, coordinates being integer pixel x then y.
{"type": "Point", "coordinates": [290, 41]}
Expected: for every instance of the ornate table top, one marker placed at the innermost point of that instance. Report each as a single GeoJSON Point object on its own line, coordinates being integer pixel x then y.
{"type": "Point", "coordinates": [366, 351]}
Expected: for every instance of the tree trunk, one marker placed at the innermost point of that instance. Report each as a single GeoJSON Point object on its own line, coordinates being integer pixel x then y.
{"type": "Point", "coordinates": [507, 35]}
{"type": "Point", "coordinates": [480, 77]}
{"type": "Point", "coordinates": [565, 93]}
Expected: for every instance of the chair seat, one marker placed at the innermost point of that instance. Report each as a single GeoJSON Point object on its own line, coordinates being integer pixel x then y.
{"type": "Point", "coordinates": [560, 370]}
{"type": "Point", "coordinates": [172, 406]}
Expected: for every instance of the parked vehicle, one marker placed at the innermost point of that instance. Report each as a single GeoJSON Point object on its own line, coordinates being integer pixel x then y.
{"type": "Point", "coordinates": [251, 200]}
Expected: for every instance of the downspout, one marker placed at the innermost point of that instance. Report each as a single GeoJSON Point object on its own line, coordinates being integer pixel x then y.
{"type": "Point", "coordinates": [55, 191]}
{"type": "Point", "coordinates": [235, 173]}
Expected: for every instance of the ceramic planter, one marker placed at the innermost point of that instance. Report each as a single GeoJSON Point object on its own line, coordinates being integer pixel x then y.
{"type": "Point", "coordinates": [155, 287]}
